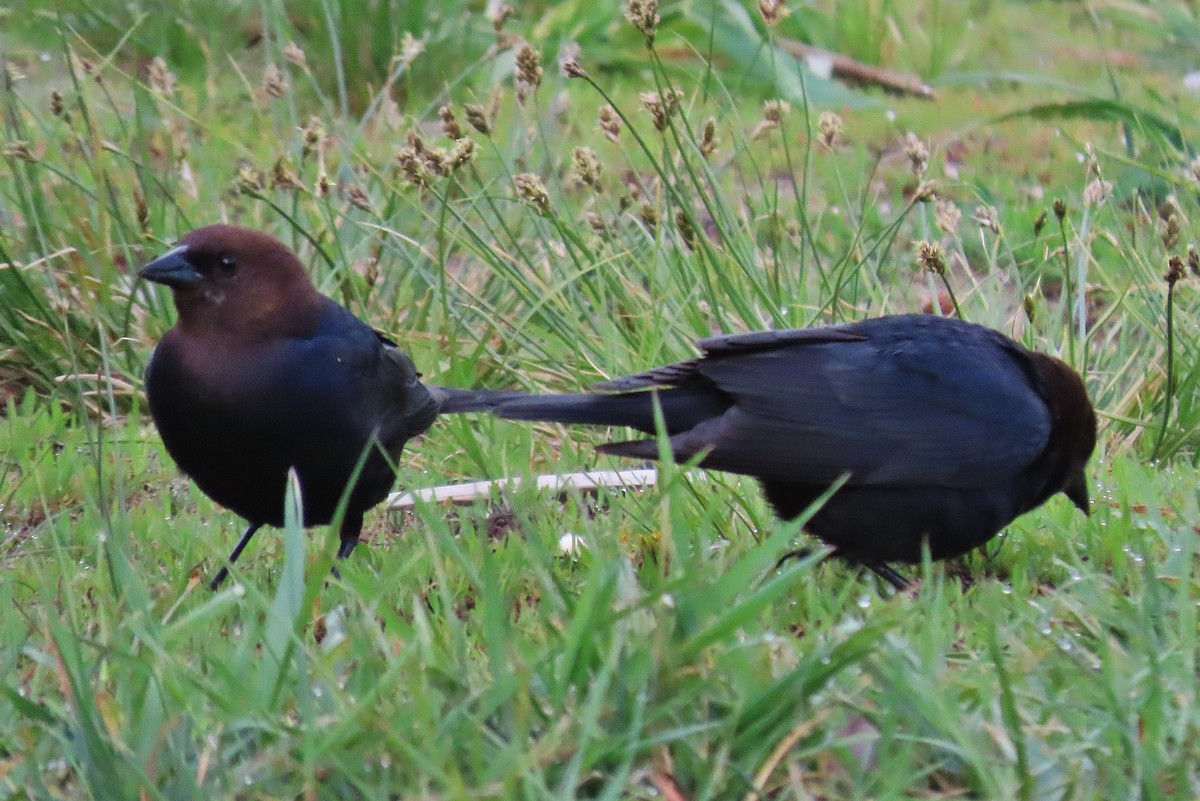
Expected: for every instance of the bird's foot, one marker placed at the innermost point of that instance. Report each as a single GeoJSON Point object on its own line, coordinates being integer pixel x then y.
{"type": "Point", "coordinates": [888, 574]}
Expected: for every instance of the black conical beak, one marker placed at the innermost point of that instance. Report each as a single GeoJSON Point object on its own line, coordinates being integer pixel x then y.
{"type": "Point", "coordinates": [172, 269]}
{"type": "Point", "coordinates": [1077, 492]}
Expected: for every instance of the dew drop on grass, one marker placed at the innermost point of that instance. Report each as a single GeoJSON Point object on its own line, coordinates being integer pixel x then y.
{"type": "Point", "coordinates": [317, 692]}
{"type": "Point", "coordinates": [1006, 589]}
{"type": "Point", "coordinates": [864, 601]}
{"type": "Point", "coordinates": [1046, 629]}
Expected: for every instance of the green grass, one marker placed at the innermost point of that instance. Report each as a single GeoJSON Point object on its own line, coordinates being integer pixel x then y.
{"type": "Point", "coordinates": [669, 654]}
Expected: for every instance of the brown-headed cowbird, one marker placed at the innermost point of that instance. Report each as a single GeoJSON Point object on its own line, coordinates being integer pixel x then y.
{"type": "Point", "coordinates": [945, 430]}
{"type": "Point", "coordinates": [263, 374]}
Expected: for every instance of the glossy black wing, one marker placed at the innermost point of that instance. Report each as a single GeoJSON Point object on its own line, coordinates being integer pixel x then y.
{"type": "Point", "coordinates": [953, 409]}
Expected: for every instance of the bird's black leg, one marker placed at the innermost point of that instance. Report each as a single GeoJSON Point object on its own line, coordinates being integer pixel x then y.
{"type": "Point", "coordinates": [799, 553]}
{"type": "Point", "coordinates": [885, 572]}
{"type": "Point", "coordinates": [351, 528]}
{"type": "Point", "coordinates": [219, 579]}
{"type": "Point", "coordinates": [881, 569]}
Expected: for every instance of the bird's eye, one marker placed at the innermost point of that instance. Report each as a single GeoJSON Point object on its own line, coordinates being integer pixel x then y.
{"type": "Point", "coordinates": [228, 263]}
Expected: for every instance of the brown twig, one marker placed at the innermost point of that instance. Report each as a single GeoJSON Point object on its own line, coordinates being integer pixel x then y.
{"type": "Point", "coordinates": [856, 72]}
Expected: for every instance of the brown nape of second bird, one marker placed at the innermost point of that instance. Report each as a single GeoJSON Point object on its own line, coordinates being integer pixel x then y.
{"type": "Point", "coordinates": [262, 374]}
{"type": "Point", "coordinates": [946, 430]}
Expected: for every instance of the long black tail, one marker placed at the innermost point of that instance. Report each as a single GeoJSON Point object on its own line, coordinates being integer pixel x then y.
{"type": "Point", "coordinates": [452, 400]}
{"type": "Point", "coordinates": [683, 408]}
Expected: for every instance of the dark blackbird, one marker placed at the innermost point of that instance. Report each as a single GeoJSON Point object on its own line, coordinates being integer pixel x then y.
{"type": "Point", "coordinates": [947, 430]}
{"type": "Point", "coordinates": [262, 373]}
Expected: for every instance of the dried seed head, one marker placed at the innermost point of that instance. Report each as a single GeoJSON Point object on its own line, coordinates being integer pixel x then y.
{"type": "Point", "coordinates": [437, 161]}
{"type": "Point", "coordinates": [293, 53]}
{"type": "Point", "coordinates": [572, 69]}
{"type": "Point", "coordinates": [1194, 169]}
{"type": "Point", "coordinates": [610, 123]}
{"type": "Point", "coordinates": [284, 177]}
{"type": "Point", "coordinates": [160, 78]}
{"type": "Point", "coordinates": [274, 84]}
{"type": "Point", "coordinates": [775, 110]}
{"type": "Point", "coordinates": [57, 104]}
{"type": "Point", "coordinates": [416, 142]}
{"type": "Point", "coordinates": [773, 113]}
{"type": "Point", "coordinates": [359, 199]}
{"type": "Point", "coordinates": [649, 217]}
{"type": "Point", "coordinates": [1193, 260]}
{"type": "Point", "coordinates": [662, 106]}
{"type": "Point", "coordinates": [528, 65]}
{"type": "Point", "coordinates": [831, 131]}
{"type": "Point", "coordinates": [248, 180]}
{"type": "Point", "coordinates": [478, 118]}
{"type": "Point", "coordinates": [948, 216]}
{"type": "Point", "coordinates": [462, 154]}
{"type": "Point", "coordinates": [1039, 223]}
{"type": "Point", "coordinates": [1169, 228]}
{"type": "Point", "coordinates": [708, 138]}
{"type": "Point", "coordinates": [450, 126]}
{"type": "Point", "coordinates": [1093, 165]}
{"type": "Point", "coordinates": [314, 135]}
{"type": "Point", "coordinates": [1175, 271]}
{"type": "Point", "coordinates": [917, 152]}
{"type": "Point", "coordinates": [84, 65]}
{"type": "Point", "coordinates": [987, 217]}
{"type": "Point", "coordinates": [568, 60]}
{"type": "Point", "coordinates": [371, 271]}
{"type": "Point", "coordinates": [630, 179]}
{"type": "Point", "coordinates": [1060, 209]}
{"type": "Point", "coordinates": [505, 40]}
{"type": "Point", "coordinates": [687, 230]}
{"type": "Point", "coordinates": [20, 150]}
{"type": "Point", "coordinates": [533, 192]}
{"type": "Point", "coordinates": [412, 166]}
{"type": "Point", "coordinates": [772, 11]}
{"type": "Point", "coordinates": [323, 186]}
{"type": "Point", "coordinates": [1097, 192]}
{"type": "Point", "coordinates": [643, 15]}
{"type": "Point", "coordinates": [587, 167]}
{"type": "Point", "coordinates": [410, 49]}
{"type": "Point", "coordinates": [143, 213]}
{"type": "Point", "coordinates": [529, 71]}
{"type": "Point", "coordinates": [596, 222]}
{"type": "Point", "coordinates": [498, 14]}
{"type": "Point", "coordinates": [925, 192]}
{"type": "Point", "coordinates": [931, 258]}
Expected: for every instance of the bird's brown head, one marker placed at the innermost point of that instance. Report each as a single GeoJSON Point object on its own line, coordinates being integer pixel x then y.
{"type": "Point", "coordinates": [237, 282]}
{"type": "Point", "coordinates": [1073, 436]}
